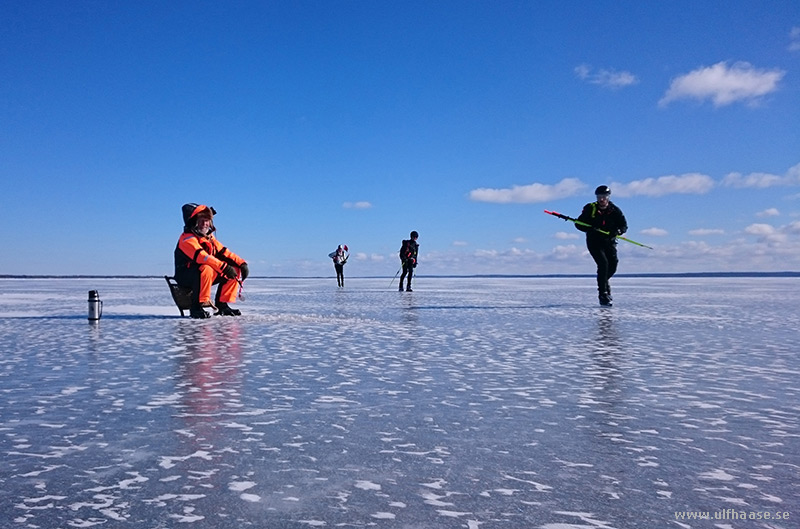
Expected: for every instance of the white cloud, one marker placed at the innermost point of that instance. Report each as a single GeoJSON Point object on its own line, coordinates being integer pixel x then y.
{"type": "Point", "coordinates": [570, 254]}
{"type": "Point", "coordinates": [770, 212]}
{"type": "Point", "coordinates": [357, 205]}
{"type": "Point", "coordinates": [529, 194]}
{"type": "Point", "coordinates": [763, 180]}
{"type": "Point", "coordinates": [655, 232]}
{"type": "Point", "coordinates": [793, 174]}
{"type": "Point", "coordinates": [794, 39]}
{"type": "Point", "coordinates": [362, 256]}
{"type": "Point", "coordinates": [460, 243]}
{"type": "Point", "coordinates": [724, 84]}
{"type": "Point", "coordinates": [706, 231]}
{"type": "Point", "coordinates": [606, 78]}
{"type": "Point", "coordinates": [689, 183]}
{"type": "Point", "coordinates": [766, 232]}
{"type": "Point", "coordinates": [565, 236]}
{"type": "Point", "coordinates": [760, 229]}
{"type": "Point", "coordinates": [760, 180]}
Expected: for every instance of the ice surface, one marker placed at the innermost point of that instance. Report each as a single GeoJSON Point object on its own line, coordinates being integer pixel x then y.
{"type": "Point", "coordinates": [471, 403]}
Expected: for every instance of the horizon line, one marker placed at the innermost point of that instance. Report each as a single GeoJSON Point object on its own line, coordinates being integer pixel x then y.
{"type": "Point", "coordinates": [785, 273]}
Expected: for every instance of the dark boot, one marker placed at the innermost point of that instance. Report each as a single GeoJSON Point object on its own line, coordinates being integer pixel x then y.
{"type": "Point", "coordinates": [197, 312]}
{"type": "Point", "coordinates": [223, 309]}
{"type": "Point", "coordinates": [604, 299]}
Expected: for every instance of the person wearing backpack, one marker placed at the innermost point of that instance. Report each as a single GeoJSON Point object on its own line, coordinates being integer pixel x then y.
{"type": "Point", "coordinates": [603, 221]}
{"type": "Point", "coordinates": [408, 257]}
{"type": "Point", "coordinates": [339, 256]}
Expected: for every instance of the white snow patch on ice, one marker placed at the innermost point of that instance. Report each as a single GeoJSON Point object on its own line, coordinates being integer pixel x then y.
{"type": "Point", "coordinates": [367, 485]}
{"type": "Point", "coordinates": [718, 474]}
{"type": "Point", "coordinates": [239, 486]}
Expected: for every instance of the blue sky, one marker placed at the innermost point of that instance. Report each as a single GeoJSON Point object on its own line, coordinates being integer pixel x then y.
{"type": "Point", "coordinates": [311, 124]}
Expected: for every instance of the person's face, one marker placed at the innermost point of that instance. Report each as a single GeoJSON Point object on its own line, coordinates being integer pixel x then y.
{"type": "Point", "coordinates": [602, 201]}
{"type": "Point", "coordinates": [204, 225]}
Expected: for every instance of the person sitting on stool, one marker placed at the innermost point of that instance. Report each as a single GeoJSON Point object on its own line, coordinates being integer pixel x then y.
{"type": "Point", "coordinates": [202, 261]}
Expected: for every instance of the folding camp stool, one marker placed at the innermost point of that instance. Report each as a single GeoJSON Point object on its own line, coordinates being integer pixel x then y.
{"type": "Point", "coordinates": [182, 296]}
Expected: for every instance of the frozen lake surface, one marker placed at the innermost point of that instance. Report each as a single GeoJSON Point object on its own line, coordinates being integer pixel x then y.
{"type": "Point", "coordinates": [469, 403]}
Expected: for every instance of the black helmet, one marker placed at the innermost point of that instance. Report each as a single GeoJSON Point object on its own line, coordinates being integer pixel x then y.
{"type": "Point", "coordinates": [602, 191]}
{"type": "Point", "coordinates": [414, 235]}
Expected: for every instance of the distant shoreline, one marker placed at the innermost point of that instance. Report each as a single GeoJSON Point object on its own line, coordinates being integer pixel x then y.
{"type": "Point", "coordinates": [485, 276]}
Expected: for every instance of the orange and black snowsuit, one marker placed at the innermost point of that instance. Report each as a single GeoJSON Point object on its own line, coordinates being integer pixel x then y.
{"type": "Point", "coordinates": [200, 259]}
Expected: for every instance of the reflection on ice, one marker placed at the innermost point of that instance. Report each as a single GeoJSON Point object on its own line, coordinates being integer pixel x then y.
{"type": "Point", "coordinates": [469, 403]}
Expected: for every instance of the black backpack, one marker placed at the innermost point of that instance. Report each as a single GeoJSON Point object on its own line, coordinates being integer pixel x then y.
{"type": "Point", "coordinates": [405, 250]}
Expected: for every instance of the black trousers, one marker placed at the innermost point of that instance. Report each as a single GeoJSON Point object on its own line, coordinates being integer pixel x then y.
{"type": "Point", "coordinates": [604, 254]}
{"type": "Point", "coordinates": [408, 269]}
{"type": "Point", "coordinates": [339, 273]}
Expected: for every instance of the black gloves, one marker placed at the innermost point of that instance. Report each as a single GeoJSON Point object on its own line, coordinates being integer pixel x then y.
{"type": "Point", "coordinates": [229, 272]}
{"type": "Point", "coordinates": [245, 271]}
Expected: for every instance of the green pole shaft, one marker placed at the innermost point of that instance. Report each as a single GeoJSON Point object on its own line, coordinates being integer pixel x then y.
{"type": "Point", "coordinates": [581, 223]}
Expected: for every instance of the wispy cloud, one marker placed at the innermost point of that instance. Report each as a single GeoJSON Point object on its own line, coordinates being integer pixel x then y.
{"type": "Point", "coordinates": [685, 184]}
{"type": "Point", "coordinates": [763, 180]}
{"type": "Point", "coordinates": [688, 184]}
{"type": "Point", "coordinates": [375, 257]}
{"type": "Point", "coordinates": [357, 205]}
{"type": "Point", "coordinates": [794, 39]}
{"type": "Point", "coordinates": [562, 235]}
{"type": "Point", "coordinates": [605, 78]}
{"type": "Point", "coordinates": [770, 212]}
{"type": "Point", "coordinates": [700, 232]}
{"type": "Point", "coordinates": [529, 194]}
{"type": "Point", "coordinates": [724, 84]}
{"type": "Point", "coordinates": [655, 232]}
{"type": "Point", "coordinates": [760, 180]}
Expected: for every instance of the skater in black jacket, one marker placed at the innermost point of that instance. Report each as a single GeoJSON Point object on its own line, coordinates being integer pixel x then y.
{"type": "Point", "coordinates": [408, 257]}
{"type": "Point", "coordinates": [606, 216]}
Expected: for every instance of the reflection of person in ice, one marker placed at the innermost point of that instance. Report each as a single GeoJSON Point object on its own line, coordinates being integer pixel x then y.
{"type": "Point", "coordinates": [210, 369]}
{"type": "Point", "coordinates": [202, 261]}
